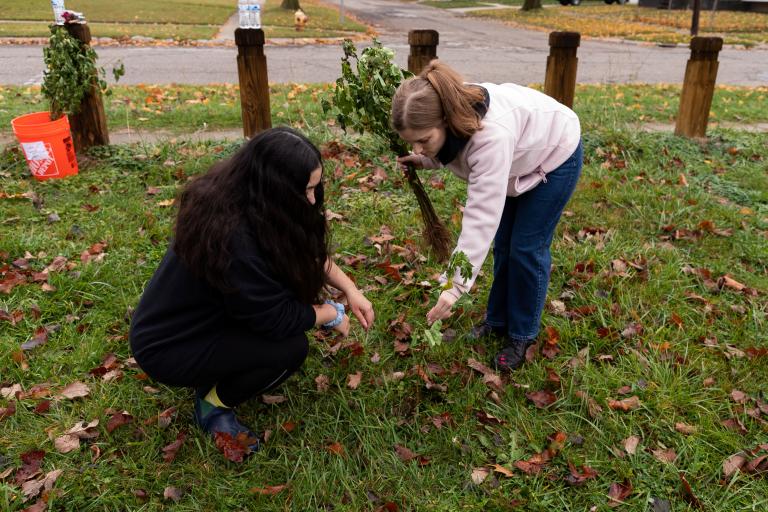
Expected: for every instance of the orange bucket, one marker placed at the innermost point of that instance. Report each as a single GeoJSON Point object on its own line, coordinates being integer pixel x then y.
{"type": "Point", "coordinates": [47, 145]}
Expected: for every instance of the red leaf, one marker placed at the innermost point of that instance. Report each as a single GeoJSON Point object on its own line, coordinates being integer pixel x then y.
{"type": "Point", "coordinates": [117, 420]}
{"type": "Point", "coordinates": [579, 477]}
{"type": "Point", "coordinates": [736, 425]}
{"type": "Point", "coordinates": [7, 412]}
{"type": "Point", "coordinates": [688, 493]}
{"type": "Point", "coordinates": [269, 490]}
{"type": "Point", "coordinates": [170, 451]}
{"type": "Point", "coordinates": [234, 448]}
{"type": "Point", "coordinates": [484, 417]}
{"type": "Point", "coordinates": [30, 465]}
{"type": "Point", "coordinates": [336, 448]}
{"type": "Point", "coordinates": [404, 453]}
{"type": "Point", "coordinates": [41, 408]}
{"type": "Point", "coordinates": [541, 399]}
{"type": "Point", "coordinates": [618, 493]}
{"type": "Point", "coordinates": [39, 338]}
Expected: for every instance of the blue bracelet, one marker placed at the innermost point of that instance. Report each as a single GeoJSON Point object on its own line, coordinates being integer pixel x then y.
{"type": "Point", "coordinates": [339, 315]}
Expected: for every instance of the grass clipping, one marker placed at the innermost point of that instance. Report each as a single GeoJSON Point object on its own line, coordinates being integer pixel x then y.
{"type": "Point", "coordinates": [362, 101]}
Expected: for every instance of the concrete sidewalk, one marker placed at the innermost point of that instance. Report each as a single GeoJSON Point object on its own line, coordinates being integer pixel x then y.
{"type": "Point", "coordinates": [482, 50]}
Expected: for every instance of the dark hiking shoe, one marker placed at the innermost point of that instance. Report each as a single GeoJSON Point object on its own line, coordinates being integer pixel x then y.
{"type": "Point", "coordinates": [512, 356]}
{"type": "Point", "coordinates": [222, 419]}
{"type": "Point", "coordinates": [484, 331]}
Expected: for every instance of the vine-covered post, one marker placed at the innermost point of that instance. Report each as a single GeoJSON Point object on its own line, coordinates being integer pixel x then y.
{"type": "Point", "coordinates": [562, 63]}
{"type": "Point", "coordinates": [423, 49]}
{"type": "Point", "coordinates": [89, 124]}
{"type": "Point", "coordinates": [254, 86]}
{"type": "Point", "coordinates": [698, 87]}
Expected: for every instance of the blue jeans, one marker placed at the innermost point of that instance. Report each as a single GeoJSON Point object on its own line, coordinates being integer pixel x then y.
{"type": "Point", "coordinates": [521, 251]}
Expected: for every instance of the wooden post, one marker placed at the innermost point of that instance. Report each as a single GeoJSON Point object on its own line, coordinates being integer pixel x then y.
{"type": "Point", "coordinates": [89, 124]}
{"type": "Point", "coordinates": [698, 87]}
{"type": "Point", "coordinates": [254, 86]}
{"type": "Point", "coordinates": [560, 77]}
{"type": "Point", "coordinates": [423, 49]}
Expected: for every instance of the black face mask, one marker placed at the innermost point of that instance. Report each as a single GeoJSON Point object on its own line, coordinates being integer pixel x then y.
{"type": "Point", "coordinates": [453, 144]}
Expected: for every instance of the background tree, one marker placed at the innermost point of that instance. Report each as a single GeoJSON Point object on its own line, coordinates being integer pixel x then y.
{"type": "Point", "coordinates": [292, 5]}
{"type": "Point", "coordinates": [529, 5]}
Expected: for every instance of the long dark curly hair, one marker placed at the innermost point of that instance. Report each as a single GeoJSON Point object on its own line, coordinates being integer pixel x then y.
{"type": "Point", "coordinates": [262, 190]}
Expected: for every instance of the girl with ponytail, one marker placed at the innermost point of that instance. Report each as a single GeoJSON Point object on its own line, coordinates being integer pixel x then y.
{"type": "Point", "coordinates": [520, 153]}
{"type": "Point", "coordinates": [225, 312]}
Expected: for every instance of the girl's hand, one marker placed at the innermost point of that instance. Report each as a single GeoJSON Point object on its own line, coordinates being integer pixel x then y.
{"type": "Point", "coordinates": [442, 309]}
{"type": "Point", "coordinates": [343, 327]}
{"type": "Point", "coordinates": [414, 160]}
{"type": "Point", "coordinates": [361, 308]}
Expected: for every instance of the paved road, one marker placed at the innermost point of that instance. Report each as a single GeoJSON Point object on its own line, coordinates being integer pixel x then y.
{"type": "Point", "coordinates": [483, 50]}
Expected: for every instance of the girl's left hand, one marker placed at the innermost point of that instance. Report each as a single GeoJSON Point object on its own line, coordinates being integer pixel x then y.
{"type": "Point", "coordinates": [361, 308]}
{"type": "Point", "coordinates": [442, 309]}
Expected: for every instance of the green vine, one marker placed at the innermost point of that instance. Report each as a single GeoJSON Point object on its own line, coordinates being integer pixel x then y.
{"type": "Point", "coordinates": [70, 73]}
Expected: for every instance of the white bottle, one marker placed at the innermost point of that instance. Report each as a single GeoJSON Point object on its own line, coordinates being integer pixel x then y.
{"type": "Point", "coordinates": [255, 14]}
{"type": "Point", "coordinates": [242, 10]}
{"type": "Point", "coordinates": [58, 11]}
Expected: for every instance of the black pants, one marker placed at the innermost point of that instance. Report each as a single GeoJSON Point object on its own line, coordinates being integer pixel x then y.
{"type": "Point", "coordinates": [237, 362]}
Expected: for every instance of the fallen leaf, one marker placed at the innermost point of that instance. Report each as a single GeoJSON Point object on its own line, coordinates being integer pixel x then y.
{"type": "Point", "coordinates": [733, 464]}
{"type": "Point", "coordinates": [504, 471]}
{"type": "Point", "coordinates": [234, 448]}
{"type": "Point", "coordinates": [541, 399]}
{"type": "Point", "coordinates": [736, 425]}
{"type": "Point", "coordinates": [323, 383]}
{"type": "Point", "coordinates": [631, 443]}
{"type": "Point", "coordinates": [336, 448]}
{"type": "Point", "coordinates": [618, 493]}
{"type": "Point", "coordinates": [479, 475]}
{"type": "Point", "coordinates": [30, 465]}
{"type": "Point", "coordinates": [170, 451]}
{"type": "Point", "coordinates": [353, 380]}
{"type": "Point", "coordinates": [172, 493]}
{"type": "Point", "coordinates": [684, 428]}
{"type": "Point", "coordinates": [688, 493]}
{"type": "Point", "coordinates": [738, 396]}
{"type": "Point", "coordinates": [117, 420]}
{"type": "Point", "coordinates": [7, 412]}
{"type": "Point", "coordinates": [627, 404]}
{"type": "Point", "coordinates": [577, 477]}
{"type": "Point", "coordinates": [42, 407]}
{"type": "Point", "coordinates": [37, 339]}
{"type": "Point", "coordinates": [11, 391]}
{"type": "Point", "coordinates": [667, 455]}
{"type": "Point", "coordinates": [66, 443]}
{"type": "Point", "coordinates": [404, 453]}
{"type": "Point", "coordinates": [75, 390]}
{"type": "Point", "coordinates": [269, 490]}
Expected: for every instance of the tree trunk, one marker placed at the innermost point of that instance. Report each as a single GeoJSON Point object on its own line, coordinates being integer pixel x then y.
{"type": "Point", "coordinates": [292, 5]}
{"type": "Point", "coordinates": [529, 5]}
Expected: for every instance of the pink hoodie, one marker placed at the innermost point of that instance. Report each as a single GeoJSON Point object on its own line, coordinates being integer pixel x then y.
{"type": "Point", "coordinates": [525, 134]}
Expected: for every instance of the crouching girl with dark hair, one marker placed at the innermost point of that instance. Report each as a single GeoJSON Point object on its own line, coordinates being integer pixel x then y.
{"type": "Point", "coordinates": [226, 311]}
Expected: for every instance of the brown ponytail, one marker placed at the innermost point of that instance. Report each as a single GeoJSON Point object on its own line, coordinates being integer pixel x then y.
{"type": "Point", "coordinates": [437, 95]}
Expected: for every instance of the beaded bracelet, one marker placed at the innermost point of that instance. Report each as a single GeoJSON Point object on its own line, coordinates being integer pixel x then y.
{"type": "Point", "coordinates": [339, 315]}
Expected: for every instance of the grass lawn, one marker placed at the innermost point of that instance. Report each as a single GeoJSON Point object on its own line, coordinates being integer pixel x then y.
{"type": "Point", "coordinates": [639, 23]}
{"type": "Point", "coordinates": [185, 109]}
{"type": "Point", "coordinates": [657, 306]}
{"type": "Point", "coordinates": [170, 19]}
